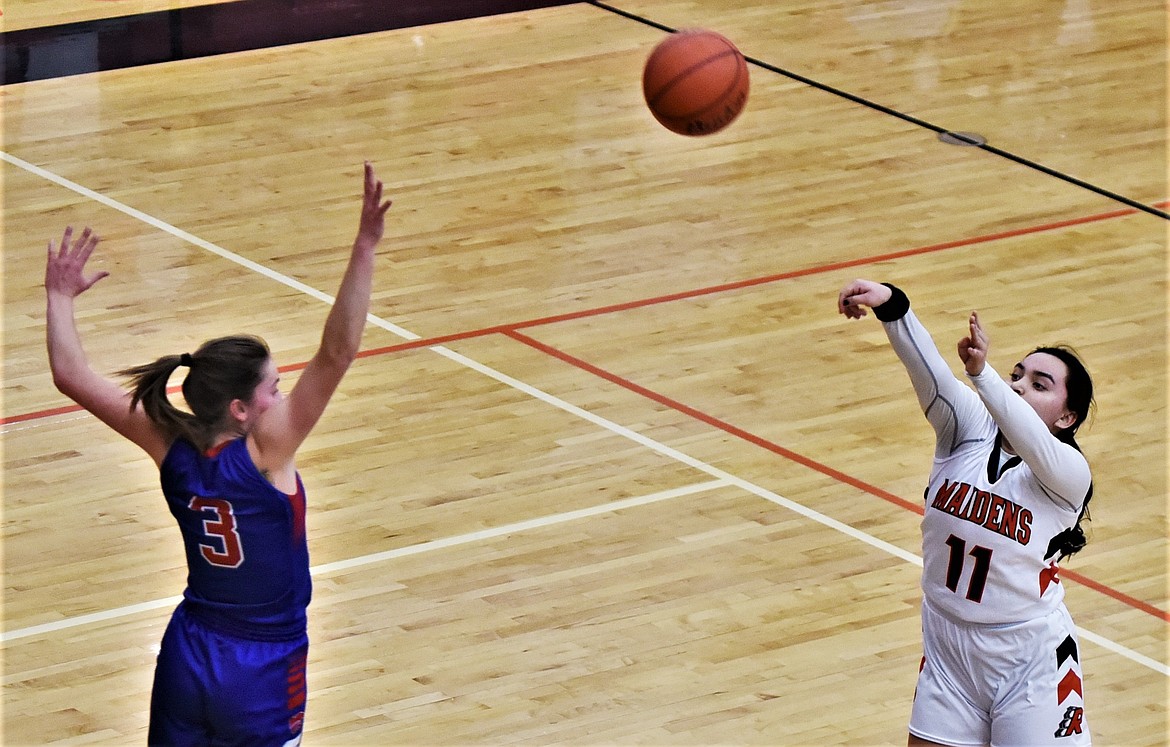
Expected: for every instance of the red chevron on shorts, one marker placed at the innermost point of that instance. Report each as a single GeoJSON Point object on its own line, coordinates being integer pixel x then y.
{"type": "Point", "coordinates": [1070, 684]}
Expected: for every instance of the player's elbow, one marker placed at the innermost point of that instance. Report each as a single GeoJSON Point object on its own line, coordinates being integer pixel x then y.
{"type": "Point", "coordinates": [338, 354]}
{"type": "Point", "coordinates": [67, 383]}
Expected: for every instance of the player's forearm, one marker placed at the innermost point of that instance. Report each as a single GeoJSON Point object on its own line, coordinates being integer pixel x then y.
{"type": "Point", "coordinates": [937, 389]}
{"type": "Point", "coordinates": [914, 347]}
{"type": "Point", "coordinates": [1060, 467]}
{"type": "Point", "coordinates": [67, 360]}
{"type": "Point", "coordinates": [950, 406]}
{"type": "Point", "coordinates": [342, 336]}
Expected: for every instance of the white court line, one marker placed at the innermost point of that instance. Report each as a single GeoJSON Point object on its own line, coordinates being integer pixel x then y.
{"type": "Point", "coordinates": [28, 425]}
{"type": "Point", "coordinates": [191, 238]}
{"type": "Point", "coordinates": [93, 617]}
{"type": "Point", "coordinates": [679, 456]}
{"type": "Point", "coordinates": [379, 557]}
{"type": "Point", "coordinates": [718, 474]}
{"type": "Point", "coordinates": [519, 526]}
{"type": "Point", "coordinates": [739, 482]}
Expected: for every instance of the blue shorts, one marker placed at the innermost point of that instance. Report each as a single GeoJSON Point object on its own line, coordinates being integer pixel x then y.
{"type": "Point", "coordinates": [216, 689]}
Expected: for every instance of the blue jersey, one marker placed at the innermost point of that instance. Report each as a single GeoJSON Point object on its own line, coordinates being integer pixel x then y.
{"type": "Point", "coordinates": [247, 555]}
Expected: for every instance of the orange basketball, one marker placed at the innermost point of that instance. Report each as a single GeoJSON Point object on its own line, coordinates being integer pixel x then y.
{"type": "Point", "coordinates": [695, 82]}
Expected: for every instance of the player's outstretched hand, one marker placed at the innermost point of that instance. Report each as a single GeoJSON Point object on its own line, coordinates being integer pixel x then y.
{"type": "Point", "coordinates": [855, 296]}
{"type": "Point", "coordinates": [373, 220]}
{"type": "Point", "coordinates": [973, 348]}
{"type": "Point", "coordinates": [65, 266]}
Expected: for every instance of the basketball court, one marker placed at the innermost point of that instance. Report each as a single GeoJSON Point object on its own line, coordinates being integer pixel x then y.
{"type": "Point", "coordinates": [610, 468]}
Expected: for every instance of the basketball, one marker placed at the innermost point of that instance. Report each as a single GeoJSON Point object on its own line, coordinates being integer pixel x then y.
{"type": "Point", "coordinates": [695, 82]}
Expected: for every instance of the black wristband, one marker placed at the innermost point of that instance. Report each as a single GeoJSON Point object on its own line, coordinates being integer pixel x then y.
{"type": "Point", "coordinates": [895, 308]}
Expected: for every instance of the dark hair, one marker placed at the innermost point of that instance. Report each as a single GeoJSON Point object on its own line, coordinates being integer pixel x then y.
{"type": "Point", "coordinates": [222, 370]}
{"type": "Point", "coordinates": [1079, 387]}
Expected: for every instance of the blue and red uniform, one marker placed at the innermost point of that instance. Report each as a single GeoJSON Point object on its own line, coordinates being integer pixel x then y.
{"type": "Point", "coordinates": [231, 669]}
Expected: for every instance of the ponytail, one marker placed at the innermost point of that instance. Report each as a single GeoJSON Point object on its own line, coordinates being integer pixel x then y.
{"type": "Point", "coordinates": [1072, 540]}
{"type": "Point", "coordinates": [222, 370]}
{"type": "Point", "coordinates": [149, 387]}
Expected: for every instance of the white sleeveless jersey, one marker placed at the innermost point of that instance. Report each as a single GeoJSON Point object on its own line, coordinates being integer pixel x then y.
{"type": "Point", "coordinates": [990, 516]}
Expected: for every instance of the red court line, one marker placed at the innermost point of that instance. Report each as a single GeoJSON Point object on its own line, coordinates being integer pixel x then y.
{"type": "Point", "coordinates": [748, 283]}
{"type": "Point", "coordinates": [713, 421]}
{"type": "Point", "coordinates": [799, 458]}
{"type": "Point", "coordinates": [64, 409]}
{"type": "Point", "coordinates": [40, 414]}
{"type": "Point", "coordinates": [511, 331]}
{"type": "Point", "coordinates": [682, 295]}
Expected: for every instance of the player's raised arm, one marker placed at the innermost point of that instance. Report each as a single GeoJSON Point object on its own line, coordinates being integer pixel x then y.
{"type": "Point", "coordinates": [282, 430]}
{"type": "Point", "coordinates": [65, 280]}
{"type": "Point", "coordinates": [942, 397]}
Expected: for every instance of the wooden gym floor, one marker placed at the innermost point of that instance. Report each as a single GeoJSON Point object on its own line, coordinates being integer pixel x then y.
{"type": "Point", "coordinates": [611, 470]}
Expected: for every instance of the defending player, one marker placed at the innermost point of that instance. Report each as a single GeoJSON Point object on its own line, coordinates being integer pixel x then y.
{"type": "Point", "coordinates": [1007, 493]}
{"type": "Point", "coordinates": [231, 668]}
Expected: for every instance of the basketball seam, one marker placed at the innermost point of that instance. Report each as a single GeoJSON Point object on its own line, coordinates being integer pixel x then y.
{"type": "Point", "coordinates": [697, 66]}
{"type": "Point", "coordinates": [722, 100]}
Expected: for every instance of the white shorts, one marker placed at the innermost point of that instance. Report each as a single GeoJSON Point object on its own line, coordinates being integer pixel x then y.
{"type": "Point", "coordinates": [1017, 684]}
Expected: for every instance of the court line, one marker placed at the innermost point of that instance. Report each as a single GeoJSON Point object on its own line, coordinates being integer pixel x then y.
{"type": "Point", "coordinates": [78, 413]}
{"type": "Point", "coordinates": [754, 489]}
{"type": "Point", "coordinates": [742, 434]}
{"type": "Point", "coordinates": [415, 341]}
{"type": "Point", "coordinates": [192, 239]}
{"type": "Point", "coordinates": [50, 412]}
{"type": "Point", "coordinates": [752, 282]}
{"type": "Point", "coordinates": [522, 386]}
{"type": "Point", "coordinates": [792, 456]}
{"type": "Point", "coordinates": [804, 461]}
{"type": "Point", "coordinates": [379, 557]}
{"type": "Point", "coordinates": [93, 617]}
{"type": "Point", "coordinates": [721, 479]}
{"type": "Point", "coordinates": [520, 526]}
{"type": "Point", "coordinates": [870, 104]}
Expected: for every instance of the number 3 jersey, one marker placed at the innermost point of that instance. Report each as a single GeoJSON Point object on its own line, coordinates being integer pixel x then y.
{"type": "Point", "coordinates": [247, 555]}
{"type": "Point", "coordinates": [990, 517]}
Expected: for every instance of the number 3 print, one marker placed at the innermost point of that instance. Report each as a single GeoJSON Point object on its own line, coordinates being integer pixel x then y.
{"type": "Point", "coordinates": [223, 528]}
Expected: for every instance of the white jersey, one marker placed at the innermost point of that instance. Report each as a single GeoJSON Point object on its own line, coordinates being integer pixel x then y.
{"type": "Point", "coordinates": [990, 516]}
